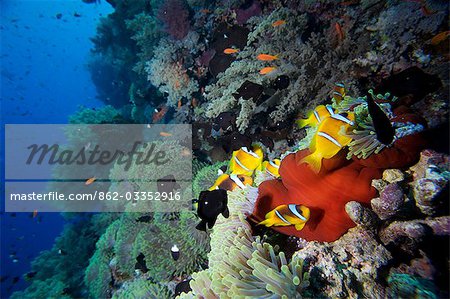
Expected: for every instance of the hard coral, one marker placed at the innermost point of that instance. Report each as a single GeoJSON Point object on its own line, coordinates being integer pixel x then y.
{"type": "Point", "coordinates": [175, 16]}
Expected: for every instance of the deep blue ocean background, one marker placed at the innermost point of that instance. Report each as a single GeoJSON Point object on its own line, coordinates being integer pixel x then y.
{"type": "Point", "coordinates": [44, 79]}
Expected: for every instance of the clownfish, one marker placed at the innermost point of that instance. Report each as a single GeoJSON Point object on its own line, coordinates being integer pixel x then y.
{"type": "Point", "coordinates": [329, 140]}
{"type": "Point", "coordinates": [316, 116]}
{"type": "Point", "coordinates": [231, 182]}
{"type": "Point", "coordinates": [245, 161]}
{"type": "Point", "coordinates": [272, 167]}
{"type": "Point", "coordinates": [338, 92]}
{"type": "Point", "coordinates": [286, 215]}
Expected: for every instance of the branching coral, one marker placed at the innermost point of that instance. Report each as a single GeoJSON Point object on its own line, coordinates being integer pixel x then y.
{"type": "Point", "coordinates": [103, 115]}
{"type": "Point", "coordinates": [60, 270]}
{"type": "Point", "coordinates": [167, 71]}
{"type": "Point", "coordinates": [146, 34]}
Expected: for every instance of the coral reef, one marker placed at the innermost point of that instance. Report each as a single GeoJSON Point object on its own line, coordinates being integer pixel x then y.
{"type": "Point", "coordinates": [60, 270]}
{"type": "Point", "coordinates": [241, 265]}
{"type": "Point", "coordinates": [379, 220]}
{"type": "Point", "coordinates": [168, 72]}
{"type": "Point", "coordinates": [117, 259]}
{"type": "Point", "coordinates": [175, 16]}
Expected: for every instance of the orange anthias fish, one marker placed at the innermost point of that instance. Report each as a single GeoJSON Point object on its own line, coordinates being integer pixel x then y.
{"type": "Point", "coordinates": [266, 70]}
{"type": "Point", "coordinates": [440, 37]}
{"type": "Point", "coordinates": [339, 32]}
{"type": "Point", "coordinates": [90, 180]}
{"type": "Point", "coordinates": [159, 113]}
{"type": "Point", "coordinates": [278, 23]}
{"type": "Point", "coordinates": [164, 134]}
{"type": "Point", "coordinates": [266, 57]}
{"type": "Point", "coordinates": [230, 51]}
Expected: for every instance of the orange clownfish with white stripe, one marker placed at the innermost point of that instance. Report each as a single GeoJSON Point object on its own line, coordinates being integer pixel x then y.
{"type": "Point", "coordinates": [272, 167]}
{"type": "Point", "coordinates": [231, 182]}
{"type": "Point", "coordinates": [329, 139]}
{"type": "Point", "coordinates": [245, 161]}
{"type": "Point", "coordinates": [286, 215]}
{"type": "Point", "coordinates": [316, 116]}
{"type": "Point", "coordinates": [338, 92]}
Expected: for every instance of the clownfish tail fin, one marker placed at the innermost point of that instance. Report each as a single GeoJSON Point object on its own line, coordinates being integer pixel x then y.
{"type": "Point", "coordinates": [300, 226]}
{"type": "Point", "coordinates": [314, 161]}
{"type": "Point", "coordinates": [268, 222]}
{"type": "Point", "coordinates": [302, 122]}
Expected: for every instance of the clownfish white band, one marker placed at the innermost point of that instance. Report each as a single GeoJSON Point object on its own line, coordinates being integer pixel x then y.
{"type": "Point", "coordinates": [294, 211]}
{"type": "Point", "coordinates": [237, 181]}
{"type": "Point", "coordinates": [328, 137]}
{"type": "Point", "coordinates": [317, 116]}
{"type": "Point", "coordinates": [274, 165]}
{"type": "Point", "coordinates": [245, 149]}
{"type": "Point", "coordinates": [341, 118]}
{"type": "Point", "coordinates": [240, 164]}
{"type": "Point", "coordinates": [281, 217]}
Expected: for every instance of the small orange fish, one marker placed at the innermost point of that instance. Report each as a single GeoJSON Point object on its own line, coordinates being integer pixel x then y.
{"type": "Point", "coordinates": [278, 23]}
{"type": "Point", "coordinates": [179, 104]}
{"type": "Point", "coordinates": [164, 134]}
{"type": "Point", "coordinates": [35, 212]}
{"type": "Point", "coordinates": [440, 37]}
{"type": "Point", "coordinates": [230, 51]}
{"type": "Point", "coordinates": [90, 181]}
{"type": "Point", "coordinates": [266, 57]}
{"type": "Point", "coordinates": [426, 11]}
{"type": "Point", "coordinates": [266, 70]}
{"type": "Point", "coordinates": [159, 113]}
{"type": "Point", "coordinates": [340, 33]}
{"type": "Point", "coordinates": [205, 11]}
{"type": "Point", "coordinates": [194, 102]}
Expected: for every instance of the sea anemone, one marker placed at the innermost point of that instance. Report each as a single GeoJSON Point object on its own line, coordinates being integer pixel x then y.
{"type": "Point", "coordinates": [325, 194]}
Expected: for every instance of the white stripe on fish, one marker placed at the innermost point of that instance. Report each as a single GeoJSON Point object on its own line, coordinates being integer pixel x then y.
{"type": "Point", "coordinates": [238, 182]}
{"type": "Point", "coordinates": [240, 164]}
{"type": "Point", "coordinates": [282, 218]}
{"type": "Point", "coordinates": [294, 211]}
{"type": "Point", "coordinates": [329, 138]}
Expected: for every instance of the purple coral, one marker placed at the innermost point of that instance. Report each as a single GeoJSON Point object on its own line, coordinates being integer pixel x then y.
{"type": "Point", "coordinates": [175, 16]}
{"type": "Point", "coordinates": [389, 203]}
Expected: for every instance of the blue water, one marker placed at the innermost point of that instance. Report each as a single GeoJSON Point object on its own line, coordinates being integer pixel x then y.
{"type": "Point", "coordinates": [44, 79]}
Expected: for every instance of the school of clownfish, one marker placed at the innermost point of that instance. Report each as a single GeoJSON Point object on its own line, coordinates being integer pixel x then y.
{"type": "Point", "coordinates": [329, 138]}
